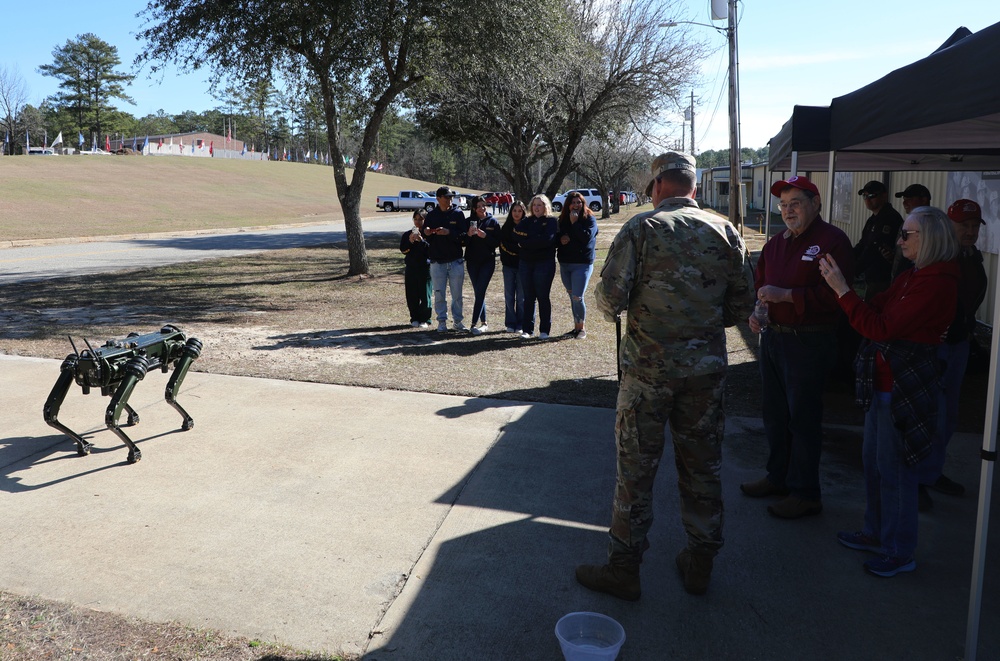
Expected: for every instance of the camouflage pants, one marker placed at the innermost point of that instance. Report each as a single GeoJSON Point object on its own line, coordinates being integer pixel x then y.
{"type": "Point", "coordinates": [693, 408]}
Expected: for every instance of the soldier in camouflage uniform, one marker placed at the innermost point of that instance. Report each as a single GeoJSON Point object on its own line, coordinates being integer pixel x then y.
{"type": "Point", "coordinates": [683, 275]}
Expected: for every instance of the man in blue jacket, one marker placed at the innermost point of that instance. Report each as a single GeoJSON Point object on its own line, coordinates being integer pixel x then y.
{"type": "Point", "coordinates": [445, 229]}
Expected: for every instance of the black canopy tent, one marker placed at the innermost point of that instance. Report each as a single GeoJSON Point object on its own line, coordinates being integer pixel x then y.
{"type": "Point", "coordinates": [939, 113]}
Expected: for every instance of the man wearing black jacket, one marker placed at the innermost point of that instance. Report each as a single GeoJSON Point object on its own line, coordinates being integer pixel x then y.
{"type": "Point", "coordinates": [445, 229]}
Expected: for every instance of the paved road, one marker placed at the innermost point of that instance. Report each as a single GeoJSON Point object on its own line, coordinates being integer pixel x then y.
{"type": "Point", "coordinates": [52, 259]}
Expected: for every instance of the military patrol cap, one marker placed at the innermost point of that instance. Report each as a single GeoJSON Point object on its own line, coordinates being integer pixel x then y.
{"type": "Point", "coordinates": [671, 160]}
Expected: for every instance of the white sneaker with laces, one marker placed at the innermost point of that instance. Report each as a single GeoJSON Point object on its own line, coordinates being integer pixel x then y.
{"type": "Point", "coordinates": [525, 336]}
{"type": "Point", "coordinates": [415, 324]}
{"type": "Point", "coordinates": [477, 331]}
{"type": "Point", "coordinates": [543, 336]}
{"type": "Point", "coordinates": [511, 329]}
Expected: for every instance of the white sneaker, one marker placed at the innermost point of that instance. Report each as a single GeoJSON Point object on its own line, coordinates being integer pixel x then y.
{"type": "Point", "coordinates": [478, 330]}
{"type": "Point", "coordinates": [415, 324]}
{"type": "Point", "coordinates": [425, 324]}
{"type": "Point", "coordinates": [459, 326]}
{"type": "Point", "coordinates": [543, 336]}
{"type": "Point", "coordinates": [442, 327]}
{"type": "Point", "coordinates": [511, 329]}
{"type": "Point", "coordinates": [484, 328]}
{"type": "Point", "coordinates": [525, 336]}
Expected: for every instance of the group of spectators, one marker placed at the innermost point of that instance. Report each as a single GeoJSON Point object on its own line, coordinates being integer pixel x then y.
{"type": "Point", "coordinates": [499, 201]}
{"type": "Point", "coordinates": [682, 275]}
{"type": "Point", "coordinates": [443, 245]}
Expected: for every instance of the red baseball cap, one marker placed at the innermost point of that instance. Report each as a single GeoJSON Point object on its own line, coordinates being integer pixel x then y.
{"type": "Point", "coordinates": [963, 210]}
{"type": "Point", "coordinates": [802, 183]}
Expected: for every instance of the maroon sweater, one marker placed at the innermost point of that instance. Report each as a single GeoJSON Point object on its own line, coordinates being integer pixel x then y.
{"type": "Point", "coordinates": [792, 262]}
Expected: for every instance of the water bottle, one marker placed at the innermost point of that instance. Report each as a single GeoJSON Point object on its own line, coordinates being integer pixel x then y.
{"type": "Point", "coordinates": [760, 313]}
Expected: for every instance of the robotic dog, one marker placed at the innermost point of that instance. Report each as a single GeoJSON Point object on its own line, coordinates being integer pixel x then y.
{"type": "Point", "coordinates": [116, 367]}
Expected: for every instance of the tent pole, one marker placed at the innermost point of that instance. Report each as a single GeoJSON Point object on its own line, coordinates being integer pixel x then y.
{"type": "Point", "coordinates": [828, 193]}
{"type": "Point", "coordinates": [985, 491]}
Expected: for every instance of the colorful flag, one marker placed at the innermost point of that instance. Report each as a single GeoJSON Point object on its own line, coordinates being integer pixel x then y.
{"type": "Point", "coordinates": [243, 153]}
{"type": "Point", "coordinates": [107, 143]}
{"type": "Point", "coordinates": [159, 145]}
{"type": "Point", "coordinates": [145, 144]}
{"type": "Point", "coordinates": [211, 148]}
{"type": "Point", "coordinates": [81, 139]}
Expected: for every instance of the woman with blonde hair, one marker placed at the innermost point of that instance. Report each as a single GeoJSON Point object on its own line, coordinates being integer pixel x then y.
{"type": "Point", "coordinates": [536, 241]}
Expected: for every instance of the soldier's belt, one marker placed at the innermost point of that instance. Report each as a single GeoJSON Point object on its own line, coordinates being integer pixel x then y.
{"type": "Point", "coordinates": [821, 328]}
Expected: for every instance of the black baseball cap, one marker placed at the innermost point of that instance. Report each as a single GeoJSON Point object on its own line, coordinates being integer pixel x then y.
{"type": "Point", "coordinates": [915, 190]}
{"type": "Point", "coordinates": [873, 188]}
{"type": "Point", "coordinates": [444, 191]}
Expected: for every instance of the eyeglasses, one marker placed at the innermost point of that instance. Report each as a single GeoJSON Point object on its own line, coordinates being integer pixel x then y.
{"type": "Point", "coordinates": [794, 205]}
{"type": "Point", "coordinates": [905, 234]}
{"type": "Point", "coordinates": [871, 196]}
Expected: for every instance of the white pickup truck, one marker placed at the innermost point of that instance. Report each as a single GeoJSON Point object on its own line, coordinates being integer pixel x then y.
{"type": "Point", "coordinates": [406, 200]}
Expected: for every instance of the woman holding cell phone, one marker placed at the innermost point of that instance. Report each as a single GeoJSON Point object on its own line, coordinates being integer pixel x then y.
{"type": "Point", "coordinates": [576, 252]}
{"type": "Point", "coordinates": [481, 259]}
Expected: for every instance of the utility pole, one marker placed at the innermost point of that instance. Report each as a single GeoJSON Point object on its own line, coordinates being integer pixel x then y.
{"type": "Point", "coordinates": [735, 171]}
{"type": "Point", "coordinates": [691, 110]}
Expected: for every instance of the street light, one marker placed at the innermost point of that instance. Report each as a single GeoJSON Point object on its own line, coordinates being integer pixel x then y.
{"type": "Point", "coordinates": [735, 171]}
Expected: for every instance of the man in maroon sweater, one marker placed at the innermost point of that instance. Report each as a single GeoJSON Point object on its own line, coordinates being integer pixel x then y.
{"type": "Point", "coordinates": [797, 348]}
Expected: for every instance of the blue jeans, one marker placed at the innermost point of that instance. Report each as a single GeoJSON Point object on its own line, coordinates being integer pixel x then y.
{"type": "Point", "coordinates": [536, 279]}
{"type": "Point", "coordinates": [793, 372]}
{"type": "Point", "coordinates": [451, 275]}
{"type": "Point", "coordinates": [575, 278]}
{"type": "Point", "coordinates": [891, 485]}
{"type": "Point", "coordinates": [955, 358]}
{"type": "Point", "coordinates": [480, 274]}
{"type": "Point", "coordinates": [513, 294]}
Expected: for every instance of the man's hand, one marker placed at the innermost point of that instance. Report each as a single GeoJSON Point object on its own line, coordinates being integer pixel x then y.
{"type": "Point", "coordinates": [442, 231]}
{"type": "Point", "coordinates": [754, 324]}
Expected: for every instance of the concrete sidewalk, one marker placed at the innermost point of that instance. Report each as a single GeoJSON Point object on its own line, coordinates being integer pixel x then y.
{"type": "Point", "coordinates": [400, 525]}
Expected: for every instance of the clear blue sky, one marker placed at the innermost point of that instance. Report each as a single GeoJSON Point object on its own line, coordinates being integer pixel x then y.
{"type": "Point", "coordinates": [807, 53]}
{"type": "Point", "coordinates": [790, 53]}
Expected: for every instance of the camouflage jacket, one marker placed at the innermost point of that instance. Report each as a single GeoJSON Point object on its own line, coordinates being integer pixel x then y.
{"type": "Point", "coordinates": [682, 274]}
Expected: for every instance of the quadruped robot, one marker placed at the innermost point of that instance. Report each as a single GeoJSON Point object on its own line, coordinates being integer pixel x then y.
{"type": "Point", "coordinates": [116, 367]}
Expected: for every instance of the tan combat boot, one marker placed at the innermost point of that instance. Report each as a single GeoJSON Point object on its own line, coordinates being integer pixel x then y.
{"type": "Point", "coordinates": [618, 580]}
{"type": "Point", "coordinates": [695, 569]}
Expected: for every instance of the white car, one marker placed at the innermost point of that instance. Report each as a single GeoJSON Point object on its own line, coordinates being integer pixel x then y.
{"type": "Point", "coordinates": [591, 196]}
{"type": "Point", "coordinates": [96, 150]}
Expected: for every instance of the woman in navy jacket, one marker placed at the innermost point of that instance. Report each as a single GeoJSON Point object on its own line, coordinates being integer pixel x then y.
{"type": "Point", "coordinates": [481, 258]}
{"type": "Point", "coordinates": [576, 251]}
{"type": "Point", "coordinates": [513, 291]}
{"type": "Point", "coordinates": [536, 238]}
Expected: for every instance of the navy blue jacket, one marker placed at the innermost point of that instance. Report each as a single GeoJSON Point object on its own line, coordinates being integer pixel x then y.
{"type": "Point", "coordinates": [537, 238]}
{"type": "Point", "coordinates": [416, 253]}
{"type": "Point", "coordinates": [509, 251]}
{"type": "Point", "coordinates": [582, 245]}
{"type": "Point", "coordinates": [446, 248]}
{"type": "Point", "coordinates": [483, 249]}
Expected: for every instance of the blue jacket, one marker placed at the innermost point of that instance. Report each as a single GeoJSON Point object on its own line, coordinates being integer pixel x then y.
{"type": "Point", "coordinates": [582, 234]}
{"type": "Point", "coordinates": [446, 248]}
{"type": "Point", "coordinates": [483, 249]}
{"type": "Point", "coordinates": [509, 250]}
{"type": "Point", "coordinates": [536, 238]}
